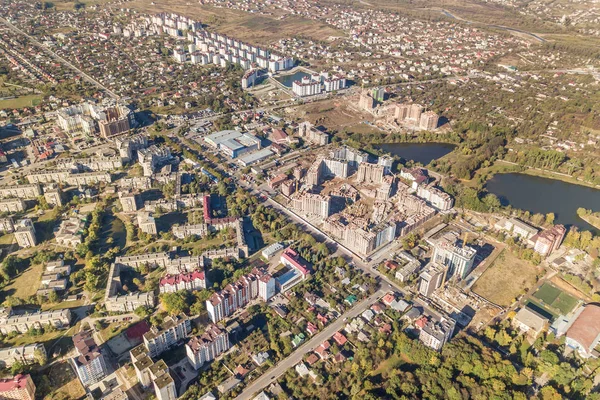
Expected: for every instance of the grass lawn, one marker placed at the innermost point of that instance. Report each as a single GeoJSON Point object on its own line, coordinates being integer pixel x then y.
{"type": "Point", "coordinates": [23, 339]}
{"type": "Point", "coordinates": [63, 304]}
{"type": "Point", "coordinates": [505, 279]}
{"type": "Point", "coordinates": [113, 330]}
{"type": "Point", "coordinates": [393, 362]}
{"type": "Point", "coordinates": [555, 298]}
{"type": "Point", "coordinates": [7, 239]}
{"type": "Point", "coordinates": [547, 293]}
{"type": "Point", "coordinates": [26, 284]}
{"type": "Point", "coordinates": [565, 303]}
{"type": "Point", "coordinates": [20, 102]}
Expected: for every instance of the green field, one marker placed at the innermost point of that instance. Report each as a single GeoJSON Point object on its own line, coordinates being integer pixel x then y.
{"type": "Point", "coordinates": [552, 296]}
{"type": "Point", "coordinates": [20, 102]}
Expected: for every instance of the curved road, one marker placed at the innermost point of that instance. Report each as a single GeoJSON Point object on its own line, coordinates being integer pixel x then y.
{"type": "Point", "coordinates": [506, 28]}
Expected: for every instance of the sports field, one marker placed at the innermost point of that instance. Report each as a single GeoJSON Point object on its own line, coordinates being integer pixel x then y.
{"type": "Point", "coordinates": [552, 296]}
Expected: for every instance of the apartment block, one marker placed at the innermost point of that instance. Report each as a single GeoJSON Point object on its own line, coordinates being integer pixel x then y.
{"type": "Point", "coordinates": [370, 173]}
{"type": "Point", "coordinates": [195, 280]}
{"type": "Point", "coordinates": [146, 223]}
{"type": "Point", "coordinates": [25, 233]}
{"type": "Point", "coordinates": [26, 192]}
{"type": "Point", "coordinates": [458, 259]}
{"type": "Point", "coordinates": [22, 323]}
{"type": "Point", "coordinates": [89, 363]}
{"type": "Point", "coordinates": [20, 354]}
{"type": "Point", "coordinates": [236, 295]}
{"type": "Point", "coordinates": [436, 197]}
{"type": "Point", "coordinates": [53, 195]}
{"type": "Point", "coordinates": [549, 240]}
{"type": "Point", "coordinates": [432, 277]}
{"type": "Point", "coordinates": [129, 202]}
{"type": "Point", "coordinates": [436, 333]}
{"type": "Point", "coordinates": [20, 387]}
{"type": "Point", "coordinates": [208, 346]}
{"type": "Point", "coordinates": [173, 330]}
{"type": "Point", "coordinates": [312, 204]}
{"type": "Point", "coordinates": [309, 133]}
{"type": "Point", "coordinates": [12, 205]}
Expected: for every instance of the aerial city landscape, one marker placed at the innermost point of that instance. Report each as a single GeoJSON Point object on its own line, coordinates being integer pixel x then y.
{"type": "Point", "coordinates": [311, 199]}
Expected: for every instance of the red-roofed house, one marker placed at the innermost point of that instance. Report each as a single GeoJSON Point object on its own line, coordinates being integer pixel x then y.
{"type": "Point", "coordinates": [312, 359]}
{"type": "Point", "coordinates": [323, 350]}
{"type": "Point", "coordinates": [391, 265]}
{"type": "Point", "coordinates": [385, 328]}
{"type": "Point", "coordinates": [322, 319]}
{"type": "Point", "coordinates": [19, 387]}
{"type": "Point", "coordinates": [187, 281]}
{"type": "Point", "coordinates": [339, 338]}
{"type": "Point", "coordinates": [311, 328]}
{"type": "Point", "coordinates": [377, 308]}
{"type": "Point", "coordinates": [388, 299]}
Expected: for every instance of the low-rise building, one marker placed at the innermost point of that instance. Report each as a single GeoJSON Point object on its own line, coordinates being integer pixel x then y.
{"type": "Point", "coordinates": [25, 355]}
{"type": "Point", "coordinates": [269, 251]}
{"type": "Point", "coordinates": [583, 333]}
{"type": "Point", "coordinates": [25, 233]}
{"type": "Point", "coordinates": [70, 232]}
{"type": "Point", "coordinates": [529, 321]}
{"type": "Point", "coordinates": [195, 280]}
{"type": "Point", "coordinates": [146, 223]}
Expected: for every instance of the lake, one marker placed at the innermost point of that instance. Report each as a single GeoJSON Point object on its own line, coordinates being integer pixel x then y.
{"type": "Point", "coordinates": [544, 195]}
{"type": "Point", "coordinates": [288, 80]}
{"type": "Point", "coordinates": [423, 153]}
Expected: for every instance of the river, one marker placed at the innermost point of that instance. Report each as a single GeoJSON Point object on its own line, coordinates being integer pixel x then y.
{"type": "Point", "coordinates": [423, 153]}
{"type": "Point", "coordinates": [543, 195]}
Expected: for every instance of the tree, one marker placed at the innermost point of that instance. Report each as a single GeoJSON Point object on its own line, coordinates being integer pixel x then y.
{"type": "Point", "coordinates": [40, 356]}
{"type": "Point", "coordinates": [550, 218]}
{"type": "Point", "coordinates": [175, 303]}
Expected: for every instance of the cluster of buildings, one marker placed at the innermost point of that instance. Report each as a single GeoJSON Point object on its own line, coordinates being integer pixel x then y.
{"type": "Point", "coordinates": [543, 242]}
{"type": "Point", "coordinates": [89, 119]}
{"type": "Point", "coordinates": [397, 209]}
{"type": "Point", "coordinates": [408, 115]}
{"type": "Point", "coordinates": [213, 48]}
{"type": "Point", "coordinates": [11, 321]}
{"type": "Point", "coordinates": [451, 259]}
{"type": "Point", "coordinates": [581, 328]}
{"type": "Point", "coordinates": [311, 85]}
{"type": "Point", "coordinates": [54, 278]}
{"type": "Point", "coordinates": [156, 375]}
{"type": "Point", "coordinates": [257, 284]}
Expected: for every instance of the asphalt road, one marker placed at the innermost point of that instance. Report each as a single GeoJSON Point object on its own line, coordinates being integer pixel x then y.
{"type": "Point", "coordinates": [276, 371]}
{"type": "Point", "coordinates": [59, 58]}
